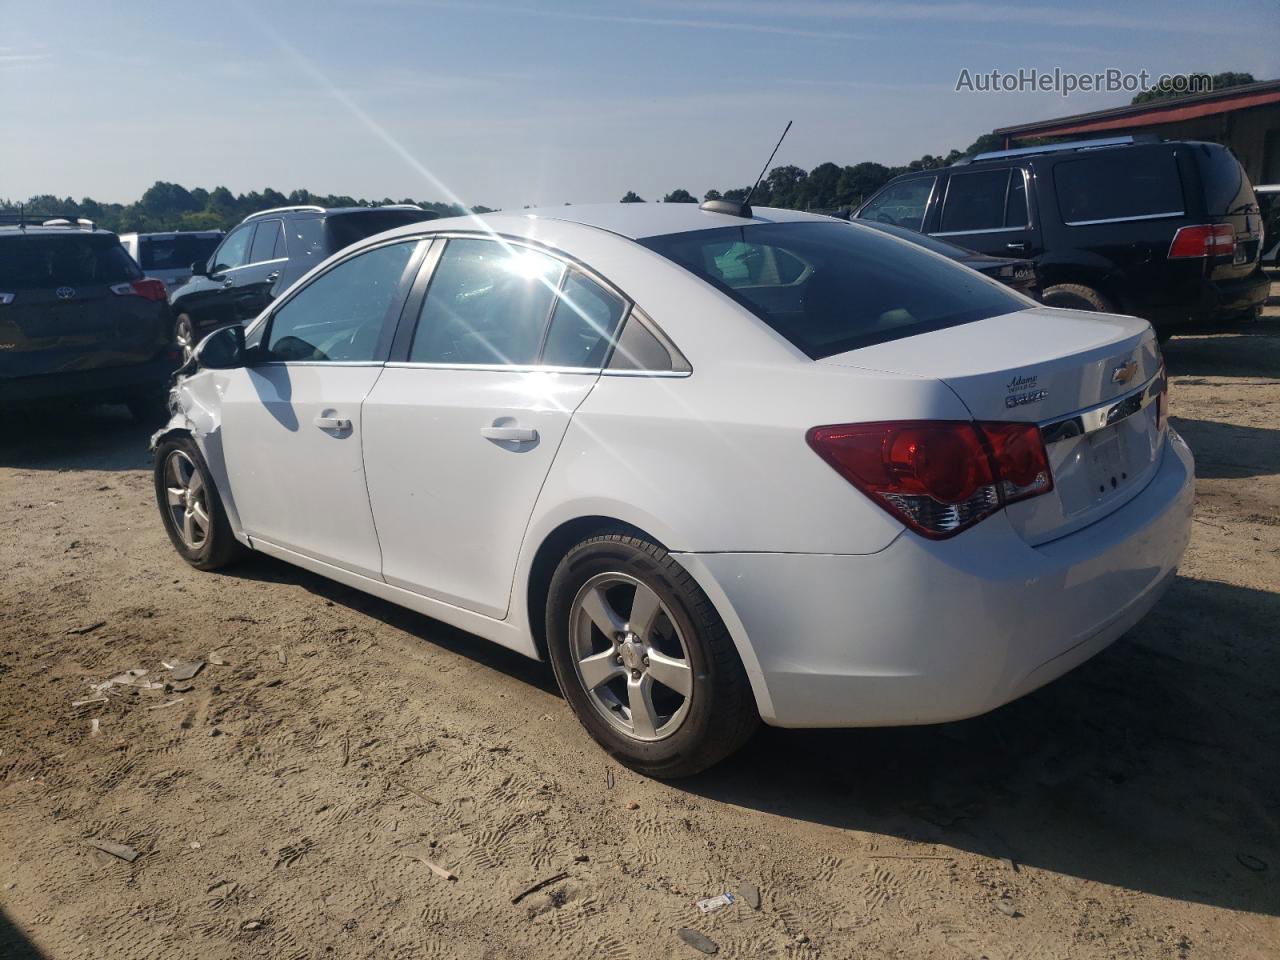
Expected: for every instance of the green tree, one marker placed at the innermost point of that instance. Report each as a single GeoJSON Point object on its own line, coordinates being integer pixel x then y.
{"type": "Point", "coordinates": [632, 197]}
{"type": "Point", "coordinates": [712, 195]}
{"type": "Point", "coordinates": [1187, 84]}
{"type": "Point", "coordinates": [680, 195]}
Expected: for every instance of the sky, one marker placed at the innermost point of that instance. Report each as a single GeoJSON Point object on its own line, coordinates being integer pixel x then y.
{"type": "Point", "coordinates": [516, 102]}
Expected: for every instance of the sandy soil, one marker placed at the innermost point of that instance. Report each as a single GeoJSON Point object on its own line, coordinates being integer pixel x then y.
{"type": "Point", "coordinates": [287, 805]}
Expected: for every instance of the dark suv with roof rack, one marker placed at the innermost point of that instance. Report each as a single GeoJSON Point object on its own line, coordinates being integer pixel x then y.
{"type": "Point", "coordinates": [78, 319]}
{"type": "Point", "coordinates": [1168, 231]}
{"type": "Point", "coordinates": [261, 258]}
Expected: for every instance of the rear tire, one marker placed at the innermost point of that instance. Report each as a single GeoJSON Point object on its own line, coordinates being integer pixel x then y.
{"type": "Point", "coordinates": [191, 508]}
{"type": "Point", "coordinates": [149, 409]}
{"type": "Point", "coordinates": [661, 687]}
{"type": "Point", "coordinates": [184, 335]}
{"type": "Point", "coordinates": [1076, 296]}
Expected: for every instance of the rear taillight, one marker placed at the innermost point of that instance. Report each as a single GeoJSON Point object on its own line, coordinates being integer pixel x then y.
{"type": "Point", "coordinates": [146, 288]}
{"type": "Point", "coordinates": [1208, 240]}
{"type": "Point", "coordinates": [938, 476]}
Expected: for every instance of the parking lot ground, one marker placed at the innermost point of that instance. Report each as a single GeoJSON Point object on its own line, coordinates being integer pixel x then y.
{"type": "Point", "coordinates": [288, 803]}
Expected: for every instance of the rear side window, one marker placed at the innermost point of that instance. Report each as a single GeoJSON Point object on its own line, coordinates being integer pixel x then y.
{"type": "Point", "coordinates": [174, 253]}
{"type": "Point", "coordinates": [900, 204]}
{"type": "Point", "coordinates": [346, 228]}
{"type": "Point", "coordinates": [266, 242]}
{"type": "Point", "coordinates": [488, 303]}
{"type": "Point", "coordinates": [583, 324]}
{"type": "Point", "coordinates": [857, 286]}
{"type": "Point", "coordinates": [32, 262]}
{"type": "Point", "coordinates": [1118, 185]}
{"type": "Point", "coordinates": [1226, 188]}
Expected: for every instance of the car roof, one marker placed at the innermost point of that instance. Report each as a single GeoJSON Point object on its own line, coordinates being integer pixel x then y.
{"type": "Point", "coordinates": [174, 233]}
{"type": "Point", "coordinates": [635, 221]}
{"type": "Point", "coordinates": [39, 230]}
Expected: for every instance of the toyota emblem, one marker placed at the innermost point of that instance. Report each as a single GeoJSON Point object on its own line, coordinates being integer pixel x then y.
{"type": "Point", "coordinates": [66, 293]}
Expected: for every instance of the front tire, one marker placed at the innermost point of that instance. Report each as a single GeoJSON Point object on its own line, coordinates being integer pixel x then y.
{"type": "Point", "coordinates": [184, 335]}
{"type": "Point", "coordinates": [644, 660]}
{"type": "Point", "coordinates": [191, 508]}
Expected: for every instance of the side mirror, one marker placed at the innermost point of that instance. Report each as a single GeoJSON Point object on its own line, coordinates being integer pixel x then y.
{"type": "Point", "coordinates": [221, 350]}
{"type": "Point", "coordinates": [200, 268]}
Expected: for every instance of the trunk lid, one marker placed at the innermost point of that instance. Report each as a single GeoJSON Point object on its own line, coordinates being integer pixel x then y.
{"type": "Point", "coordinates": [1044, 365]}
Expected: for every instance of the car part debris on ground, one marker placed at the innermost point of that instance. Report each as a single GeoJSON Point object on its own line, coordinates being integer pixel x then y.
{"type": "Point", "coordinates": [712, 904]}
{"type": "Point", "coordinates": [698, 941]}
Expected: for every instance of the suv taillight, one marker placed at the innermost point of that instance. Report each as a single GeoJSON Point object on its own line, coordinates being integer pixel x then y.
{"type": "Point", "coordinates": [147, 288]}
{"type": "Point", "coordinates": [938, 476]}
{"type": "Point", "coordinates": [1208, 240]}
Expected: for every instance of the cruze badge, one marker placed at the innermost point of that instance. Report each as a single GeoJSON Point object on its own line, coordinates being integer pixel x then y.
{"type": "Point", "coordinates": [1024, 390]}
{"type": "Point", "coordinates": [1124, 373]}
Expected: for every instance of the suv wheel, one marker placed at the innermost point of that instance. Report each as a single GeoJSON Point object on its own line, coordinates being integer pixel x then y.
{"type": "Point", "coordinates": [191, 508]}
{"type": "Point", "coordinates": [644, 659]}
{"type": "Point", "coordinates": [1076, 296]}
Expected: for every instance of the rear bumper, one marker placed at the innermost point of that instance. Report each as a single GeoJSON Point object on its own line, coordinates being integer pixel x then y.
{"type": "Point", "coordinates": [927, 632]}
{"type": "Point", "coordinates": [104, 383]}
{"type": "Point", "coordinates": [1211, 300]}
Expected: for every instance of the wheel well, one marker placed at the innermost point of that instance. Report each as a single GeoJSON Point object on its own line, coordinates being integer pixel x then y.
{"type": "Point", "coordinates": [1086, 278]}
{"type": "Point", "coordinates": [551, 551]}
{"type": "Point", "coordinates": [169, 434]}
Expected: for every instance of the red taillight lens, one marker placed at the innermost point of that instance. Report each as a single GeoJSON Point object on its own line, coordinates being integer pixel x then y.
{"type": "Point", "coordinates": [938, 477]}
{"type": "Point", "coordinates": [1209, 240]}
{"type": "Point", "coordinates": [147, 288]}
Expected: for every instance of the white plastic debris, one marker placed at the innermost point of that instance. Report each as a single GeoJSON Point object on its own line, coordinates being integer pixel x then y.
{"type": "Point", "coordinates": [712, 904]}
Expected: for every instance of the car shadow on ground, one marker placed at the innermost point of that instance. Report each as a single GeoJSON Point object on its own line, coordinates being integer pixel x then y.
{"type": "Point", "coordinates": [103, 437]}
{"type": "Point", "coordinates": [14, 944]}
{"type": "Point", "coordinates": [1150, 768]}
{"type": "Point", "coordinates": [267, 569]}
{"type": "Point", "coordinates": [1247, 349]}
{"type": "Point", "coordinates": [1230, 451]}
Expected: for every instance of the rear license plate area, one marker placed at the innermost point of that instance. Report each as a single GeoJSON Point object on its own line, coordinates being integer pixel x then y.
{"type": "Point", "coordinates": [1109, 467]}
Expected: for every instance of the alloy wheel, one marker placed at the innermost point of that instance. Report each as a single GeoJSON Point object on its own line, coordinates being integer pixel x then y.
{"type": "Point", "coordinates": [630, 656]}
{"type": "Point", "coordinates": [186, 495]}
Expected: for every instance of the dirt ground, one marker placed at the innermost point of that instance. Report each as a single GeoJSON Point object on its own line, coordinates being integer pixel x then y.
{"type": "Point", "coordinates": [287, 804]}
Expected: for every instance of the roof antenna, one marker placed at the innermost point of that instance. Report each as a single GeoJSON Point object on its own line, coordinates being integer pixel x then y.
{"type": "Point", "coordinates": [743, 209]}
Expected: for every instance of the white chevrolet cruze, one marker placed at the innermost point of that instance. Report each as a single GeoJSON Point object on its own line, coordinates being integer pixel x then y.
{"type": "Point", "coordinates": [716, 465]}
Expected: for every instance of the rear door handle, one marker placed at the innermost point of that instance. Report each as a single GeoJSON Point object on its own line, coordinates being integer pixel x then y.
{"type": "Point", "coordinates": [516, 434]}
{"type": "Point", "coordinates": [273, 276]}
{"type": "Point", "coordinates": [337, 424]}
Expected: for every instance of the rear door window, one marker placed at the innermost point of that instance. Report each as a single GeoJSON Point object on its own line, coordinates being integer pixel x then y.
{"type": "Point", "coordinates": [1122, 184]}
{"type": "Point", "coordinates": [976, 201]}
{"type": "Point", "coordinates": [266, 241]}
{"type": "Point", "coordinates": [856, 286]}
{"type": "Point", "coordinates": [901, 204]}
{"type": "Point", "coordinates": [488, 303]}
{"type": "Point", "coordinates": [174, 253]}
{"type": "Point", "coordinates": [32, 262]}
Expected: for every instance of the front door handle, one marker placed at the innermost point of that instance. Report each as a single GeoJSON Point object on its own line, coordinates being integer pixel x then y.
{"type": "Point", "coordinates": [273, 276]}
{"type": "Point", "coordinates": [1017, 246]}
{"type": "Point", "coordinates": [337, 424]}
{"type": "Point", "coordinates": [229, 282]}
{"type": "Point", "coordinates": [515, 434]}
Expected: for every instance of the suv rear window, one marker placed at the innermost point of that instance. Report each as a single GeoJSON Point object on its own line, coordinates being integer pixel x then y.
{"type": "Point", "coordinates": [1226, 188]}
{"type": "Point", "coordinates": [346, 228]}
{"type": "Point", "coordinates": [832, 287]}
{"type": "Point", "coordinates": [32, 262]}
{"type": "Point", "coordinates": [1118, 185]}
{"type": "Point", "coordinates": [174, 253]}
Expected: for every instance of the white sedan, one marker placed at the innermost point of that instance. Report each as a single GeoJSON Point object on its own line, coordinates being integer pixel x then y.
{"type": "Point", "coordinates": [717, 465]}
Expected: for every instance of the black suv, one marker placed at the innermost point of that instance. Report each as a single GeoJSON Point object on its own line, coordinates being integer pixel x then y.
{"type": "Point", "coordinates": [78, 320]}
{"type": "Point", "coordinates": [1168, 231]}
{"type": "Point", "coordinates": [265, 254]}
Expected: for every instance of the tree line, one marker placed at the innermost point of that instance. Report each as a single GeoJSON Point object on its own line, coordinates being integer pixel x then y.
{"type": "Point", "coordinates": [171, 206]}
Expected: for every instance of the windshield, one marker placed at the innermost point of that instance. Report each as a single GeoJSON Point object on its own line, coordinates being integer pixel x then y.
{"type": "Point", "coordinates": [175, 253]}
{"type": "Point", "coordinates": [832, 287]}
{"type": "Point", "coordinates": [33, 262]}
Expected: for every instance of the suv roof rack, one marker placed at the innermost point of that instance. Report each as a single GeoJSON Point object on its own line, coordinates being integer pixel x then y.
{"type": "Point", "coordinates": [22, 219]}
{"type": "Point", "coordinates": [297, 207]}
{"type": "Point", "coordinates": [1059, 147]}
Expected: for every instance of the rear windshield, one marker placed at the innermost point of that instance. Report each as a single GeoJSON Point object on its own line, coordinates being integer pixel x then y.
{"type": "Point", "coordinates": [32, 262]}
{"type": "Point", "coordinates": [1226, 188]}
{"type": "Point", "coordinates": [832, 287]}
{"type": "Point", "coordinates": [346, 228]}
{"type": "Point", "coordinates": [174, 253]}
{"type": "Point", "coordinates": [1117, 185]}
